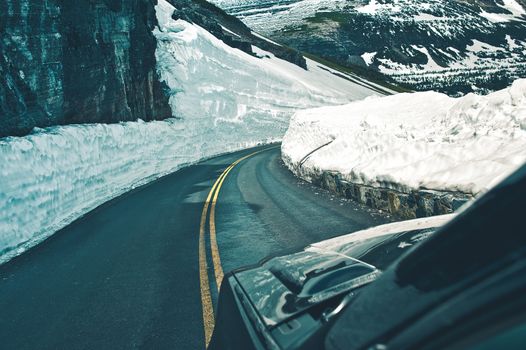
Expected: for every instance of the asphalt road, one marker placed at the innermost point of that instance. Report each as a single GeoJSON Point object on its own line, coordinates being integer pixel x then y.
{"type": "Point", "coordinates": [127, 275]}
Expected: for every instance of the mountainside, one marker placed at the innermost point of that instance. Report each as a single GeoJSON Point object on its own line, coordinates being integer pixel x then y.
{"type": "Point", "coordinates": [453, 46]}
{"type": "Point", "coordinates": [230, 29]}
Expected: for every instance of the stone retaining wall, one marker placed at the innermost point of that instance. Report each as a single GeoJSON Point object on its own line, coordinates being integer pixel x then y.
{"type": "Point", "coordinates": [414, 204]}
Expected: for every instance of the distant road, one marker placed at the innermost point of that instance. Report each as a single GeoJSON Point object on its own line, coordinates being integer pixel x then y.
{"type": "Point", "coordinates": [138, 272]}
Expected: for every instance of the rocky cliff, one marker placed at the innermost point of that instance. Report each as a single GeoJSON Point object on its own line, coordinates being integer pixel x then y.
{"type": "Point", "coordinates": [84, 61]}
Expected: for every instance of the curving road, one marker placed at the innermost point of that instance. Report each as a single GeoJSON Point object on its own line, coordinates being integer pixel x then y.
{"type": "Point", "coordinates": [142, 270]}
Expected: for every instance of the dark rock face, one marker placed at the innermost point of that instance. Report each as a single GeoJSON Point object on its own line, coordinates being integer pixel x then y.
{"type": "Point", "coordinates": [215, 20]}
{"type": "Point", "coordinates": [85, 61]}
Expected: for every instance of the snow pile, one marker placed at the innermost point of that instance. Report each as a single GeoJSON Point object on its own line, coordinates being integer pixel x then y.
{"type": "Point", "coordinates": [342, 244]}
{"type": "Point", "coordinates": [210, 81]}
{"type": "Point", "coordinates": [222, 99]}
{"type": "Point", "coordinates": [373, 8]}
{"type": "Point", "coordinates": [413, 141]}
{"type": "Point", "coordinates": [55, 175]}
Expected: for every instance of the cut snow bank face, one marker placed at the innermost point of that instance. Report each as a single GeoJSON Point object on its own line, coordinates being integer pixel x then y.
{"type": "Point", "coordinates": [413, 141]}
{"type": "Point", "coordinates": [52, 177]}
{"type": "Point", "coordinates": [212, 83]}
{"type": "Point", "coordinates": [224, 100]}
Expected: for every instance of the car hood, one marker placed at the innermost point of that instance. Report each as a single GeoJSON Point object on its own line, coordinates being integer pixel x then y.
{"type": "Point", "coordinates": [285, 286]}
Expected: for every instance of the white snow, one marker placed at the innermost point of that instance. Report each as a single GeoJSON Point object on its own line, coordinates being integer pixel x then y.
{"type": "Point", "coordinates": [512, 43]}
{"type": "Point", "coordinates": [512, 6]}
{"type": "Point", "coordinates": [370, 8]}
{"type": "Point", "coordinates": [230, 32]}
{"type": "Point", "coordinates": [222, 100]}
{"type": "Point", "coordinates": [368, 57]}
{"type": "Point", "coordinates": [426, 17]}
{"type": "Point", "coordinates": [342, 243]}
{"type": "Point", "coordinates": [269, 16]}
{"type": "Point", "coordinates": [431, 65]}
{"type": "Point", "coordinates": [374, 8]}
{"type": "Point", "coordinates": [266, 39]}
{"type": "Point", "coordinates": [478, 55]}
{"type": "Point", "coordinates": [495, 17]}
{"type": "Point", "coordinates": [479, 46]}
{"type": "Point", "coordinates": [423, 140]}
{"type": "Point", "coordinates": [213, 82]}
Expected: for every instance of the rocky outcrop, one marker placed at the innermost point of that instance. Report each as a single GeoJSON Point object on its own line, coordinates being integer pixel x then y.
{"type": "Point", "coordinates": [403, 205]}
{"type": "Point", "coordinates": [85, 61]}
{"type": "Point", "coordinates": [231, 30]}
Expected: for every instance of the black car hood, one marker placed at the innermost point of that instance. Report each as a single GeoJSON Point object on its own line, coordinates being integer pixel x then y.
{"type": "Point", "coordinates": [289, 285]}
{"type": "Point", "coordinates": [472, 257]}
{"type": "Point", "coordinates": [286, 286]}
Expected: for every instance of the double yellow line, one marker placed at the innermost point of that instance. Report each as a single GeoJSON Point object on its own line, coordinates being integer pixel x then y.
{"type": "Point", "coordinates": [210, 206]}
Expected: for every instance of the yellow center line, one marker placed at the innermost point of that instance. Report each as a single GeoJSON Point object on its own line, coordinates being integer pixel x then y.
{"type": "Point", "coordinates": [206, 298]}
{"type": "Point", "coordinates": [218, 269]}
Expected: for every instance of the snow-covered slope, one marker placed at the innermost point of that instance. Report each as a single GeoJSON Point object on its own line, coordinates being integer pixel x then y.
{"type": "Point", "coordinates": [211, 81]}
{"type": "Point", "coordinates": [406, 142]}
{"type": "Point", "coordinates": [222, 100]}
{"type": "Point", "coordinates": [454, 46]}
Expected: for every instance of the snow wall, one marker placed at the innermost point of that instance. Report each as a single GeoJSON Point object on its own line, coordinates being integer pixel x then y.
{"type": "Point", "coordinates": [412, 154]}
{"type": "Point", "coordinates": [222, 100]}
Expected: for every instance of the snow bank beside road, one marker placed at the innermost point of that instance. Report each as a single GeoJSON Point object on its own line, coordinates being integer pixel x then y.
{"type": "Point", "coordinates": [413, 141]}
{"type": "Point", "coordinates": [50, 178]}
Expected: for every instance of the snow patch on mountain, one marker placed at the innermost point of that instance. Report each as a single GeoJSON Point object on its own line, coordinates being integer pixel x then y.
{"type": "Point", "coordinates": [368, 57]}
{"type": "Point", "coordinates": [374, 7]}
{"type": "Point", "coordinates": [513, 7]}
{"type": "Point", "coordinates": [406, 142]}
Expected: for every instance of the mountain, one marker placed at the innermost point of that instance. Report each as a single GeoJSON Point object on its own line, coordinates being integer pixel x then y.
{"type": "Point", "coordinates": [453, 46]}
